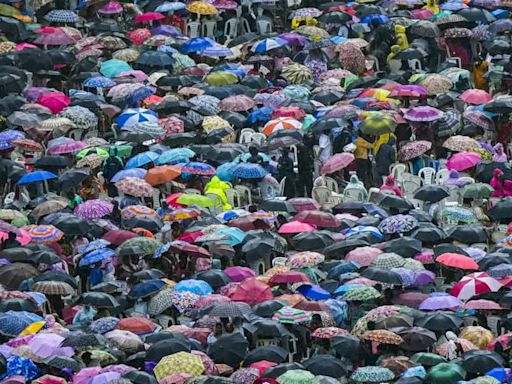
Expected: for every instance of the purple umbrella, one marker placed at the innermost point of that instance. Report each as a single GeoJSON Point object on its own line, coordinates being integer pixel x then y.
{"type": "Point", "coordinates": [502, 25]}
{"type": "Point", "coordinates": [34, 93]}
{"type": "Point", "coordinates": [294, 38]}
{"type": "Point", "coordinates": [347, 111]}
{"type": "Point", "coordinates": [94, 209]}
{"type": "Point", "coordinates": [68, 147]}
{"type": "Point", "coordinates": [423, 113]}
{"type": "Point", "coordinates": [139, 173]}
{"type": "Point", "coordinates": [476, 254]}
{"type": "Point", "coordinates": [406, 274]}
{"type": "Point", "coordinates": [105, 378]}
{"type": "Point", "coordinates": [440, 300]}
{"type": "Point", "coordinates": [166, 30]}
{"type": "Point", "coordinates": [238, 274]}
{"type": "Point", "coordinates": [423, 277]}
{"type": "Point", "coordinates": [8, 136]}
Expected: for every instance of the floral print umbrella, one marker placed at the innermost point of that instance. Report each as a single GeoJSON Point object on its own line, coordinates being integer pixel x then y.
{"type": "Point", "coordinates": [135, 187]}
{"type": "Point", "coordinates": [460, 143]}
{"type": "Point", "coordinates": [398, 224]}
{"type": "Point", "coordinates": [383, 336]}
{"type": "Point", "coordinates": [414, 149]}
{"type": "Point", "coordinates": [372, 374]}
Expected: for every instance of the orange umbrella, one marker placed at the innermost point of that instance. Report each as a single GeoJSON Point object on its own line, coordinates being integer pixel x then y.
{"type": "Point", "coordinates": [162, 174]}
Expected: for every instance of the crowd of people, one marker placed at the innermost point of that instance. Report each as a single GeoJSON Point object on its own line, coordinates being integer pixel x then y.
{"type": "Point", "coordinates": [281, 192]}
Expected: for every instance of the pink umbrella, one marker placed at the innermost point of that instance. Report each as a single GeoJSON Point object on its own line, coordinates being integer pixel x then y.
{"type": "Point", "coordinates": [296, 227]}
{"type": "Point", "coordinates": [304, 204]}
{"type": "Point", "coordinates": [482, 305]}
{"type": "Point", "coordinates": [111, 8]}
{"type": "Point", "coordinates": [105, 378]}
{"type": "Point", "coordinates": [363, 256]}
{"type": "Point", "coordinates": [94, 209]}
{"type": "Point", "coordinates": [23, 238]}
{"type": "Point", "coordinates": [423, 113]}
{"type": "Point", "coordinates": [85, 375]}
{"type": "Point", "coordinates": [58, 37]}
{"type": "Point", "coordinates": [139, 75]}
{"type": "Point", "coordinates": [408, 91]}
{"type": "Point", "coordinates": [139, 35]}
{"type": "Point", "coordinates": [22, 46]}
{"type": "Point", "coordinates": [149, 16]}
{"type": "Point", "coordinates": [225, 4]}
{"type": "Point", "coordinates": [475, 96]}
{"type": "Point", "coordinates": [320, 218]}
{"type": "Point", "coordinates": [68, 147]}
{"type": "Point", "coordinates": [336, 162]}
{"type": "Point", "coordinates": [238, 274]}
{"type": "Point", "coordinates": [463, 160]}
{"type": "Point", "coordinates": [55, 101]}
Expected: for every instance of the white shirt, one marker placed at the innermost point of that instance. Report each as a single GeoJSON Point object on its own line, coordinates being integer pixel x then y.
{"type": "Point", "coordinates": [325, 144]}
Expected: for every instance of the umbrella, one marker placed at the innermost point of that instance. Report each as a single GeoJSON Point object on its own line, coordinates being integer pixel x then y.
{"type": "Point", "coordinates": [432, 193]}
{"type": "Point", "coordinates": [179, 363]}
{"type": "Point", "coordinates": [439, 321]}
{"type": "Point", "coordinates": [228, 349]}
{"type": "Point", "coordinates": [327, 365]}
{"type": "Point", "coordinates": [297, 376]}
{"type": "Point", "coordinates": [372, 374]}
{"type": "Point", "coordinates": [423, 113]}
{"type": "Point", "coordinates": [414, 149]}
{"type": "Point", "coordinates": [475, 284]}
{"type": "Point", "coordinates": [336, 163]}
{"type": "Point", "coordinates": [455, 260]}
{"type": "Point", "coordinates": [479, 362]}
{"type": "Point", "coordinates": [376, 125]}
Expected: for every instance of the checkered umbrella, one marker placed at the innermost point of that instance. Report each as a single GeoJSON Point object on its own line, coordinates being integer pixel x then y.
{"type": "Point", "coordinates": [230, 309]}
{"type": "Point", "coordinates": [59, 288]}
{"type": "Point", "coordinates": [181, 362]}
{"type": "Point", "coordinates": [61, 16]}
{"type": "Point", "coordinates": [388, 261]}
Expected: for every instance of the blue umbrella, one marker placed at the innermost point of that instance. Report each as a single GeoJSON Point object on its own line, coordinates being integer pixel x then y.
{"type": "Point", "coordinates": [146, 288]}
{"type": "Point", "coordinates": [268, 44]}
{"type": "Point", "coordinates": [314, 292]}
{"type": "Point", "coordinates": [161, 250]}
{"type": "Point", "coordinates": [199, 287]}
{"type": "Point", "coordinates": [61, 16]}
{"type": "Point", "coordinates": [113, 67]}
{"type": "Point", "coordinates": [34, 177]}
{"type": "Point", "coordinates": [170, 7]}
{"type": "Point", "coordinates": [94, 245]}
{"type": "Point", "coordinates": [96, 256]}
{"type": "Point", "coordinates": [341, 268]}
{"type": "Point", "coordinates": [237, 71]}
{"type": "Point", "coordinates": [225, 171]}
{"type": "Point", "coordinates": [130, 117]}
{"type": "Point", "coordinates": [217, 51]}
{"type": "Point", "coordinates": [13, 322]}
{"type": "Point", "coordinates": [139, 173]}
{"type": "Point", "coordinates": [175, 156]}
{"type": "Point", "coordinates": [236, 235]}
{"type": "Point", "coordinates": [99, 82]}
{"type": "Point", "coordinates": [141, 159]}
{"type": "Point", "coordinates": [134, 98]}
{"type": "Point", "coordinates": [375, 210]}
{"type": "Point", "coordinates": [364, 229]}
{"type": "Point", "coordinates": [249, 171]}
{"type": "Point", "coordinates": [8, 136]}
{"type": "Point", "coordinates": [197, 44]}
{"type": "Point", "coordinates": [262, 115]}
{"type": "Point", "coordinates": [381, 19]}
{"type": "Point", "coordinates": [228, 215]}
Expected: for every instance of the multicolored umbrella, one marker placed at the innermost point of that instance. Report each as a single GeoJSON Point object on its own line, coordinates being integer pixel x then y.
{"type": "Point", "coordinates": [414, 149]}
{"type": "Point", "coordinates": [94, 209]}
{"type": "Point", "coordinates": [135, 187]}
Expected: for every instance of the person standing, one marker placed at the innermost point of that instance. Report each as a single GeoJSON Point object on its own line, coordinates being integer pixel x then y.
{"type": "Point", "coordinates": [363, 165]}
{"type": "Point", "coordinates": [113, 164]}
{"type": "Point", "coordinates": [306, 165]}
{"type": "Point", "coordinates": [384, 158]}
{"type": "Point", "coordinates": [285, 167]}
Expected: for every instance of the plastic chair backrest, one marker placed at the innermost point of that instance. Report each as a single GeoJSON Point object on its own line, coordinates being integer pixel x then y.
{"type": "Point", "coordinates": [397, 172]}
{"type": "Point", "coordinates": [427, 174]}
{"type": "Point", "coordinates": [192, 191]}
{"type": "Point", "coordinates": [410, 186]}
{"type": "Point", "coordinates": [231, 28]}
{"type": "Point", "coordinates": [192, 29]}
{"type": "Point", "coordinates": [156, 198]}
{"type": "Point", "coordinates": [76, 134]}
{"type": "Point", "coordinates": [282, 185]}
{"type": "Point", "coordinates": [245, 194]}
{"type": "Point", "coordinates": [233, 197]}
{"type": "Point", "coordinates": [353, 194]}
{"type": "Point", "coordinates": [209, 28]}
{"type": "Point", "coordinates": [264, 25]}
{"type": "Point", "coordinates": [332, 184]}
{"type": "Point", "coordinates": [442, 175]}
{"type": "Point", "coordinates": [246, 27]}
{"type": "Point", "coordinates": [258, 138]}
{"type": "Point", "coordinates": [295, 154]}
{"type": "Point", "coordinates": [321, 195]}
{"type": "Point", "coordinates": [415, 65]}
{"type": "Point", "coordinates": [217, 202]}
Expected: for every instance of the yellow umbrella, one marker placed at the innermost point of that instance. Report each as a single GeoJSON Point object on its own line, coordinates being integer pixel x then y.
{"type": "Point", "coordinates": [202, 8]}
{"type": "Point", "coordinates": [181, 362]}
{"type": "Point", "coordinates": [477, 335]}
{"type": "Point", "coordinates": [8, 10]}
{"type": "Point", "coordinates": [221, 78]}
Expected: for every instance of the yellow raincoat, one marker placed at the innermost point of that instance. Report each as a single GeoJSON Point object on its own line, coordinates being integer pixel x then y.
{"type": "Point", "coordinates": [216, 186]}
{"type": "Point", "coordinates": [401, 37]}
{"type": "Point", "coordinates": [382, 139]}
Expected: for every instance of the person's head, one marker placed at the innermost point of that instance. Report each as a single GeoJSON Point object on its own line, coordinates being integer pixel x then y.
{"type": "Point", "coordinates": [450, 335]}
{"type": "Point", "coordinates": [281, 219]}
{"type": "Point", "coordinates": [285, 151]}
{"type": "Point", "coordinates": [498, 148]}
{"type": "Point", "coordinates": [390, 180]}
{"type": "Point", "coordinates": [354, 179]}
{"type": "Point", "coordinates": [218, 329]}
{"type": "Point", "coordinates": [229, 327]}
{"type": "Point", "coordinates": [497, 172]}
{"type": "Point", "coordinates": [453, 174]}
{"type": "Point", "coordinates": [253, 151]}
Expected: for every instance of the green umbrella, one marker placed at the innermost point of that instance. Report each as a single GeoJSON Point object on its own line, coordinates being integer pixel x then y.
{"type": "Point", "coordinates": [445, 373]}
{"type": "Point", "coordinates": [124, 150]}
{"type": "Point", "coordinates": [112, 68]}
{"type": "Point", "coordinates": [476, 191]}
{"type": "Point", "coordinates": [428, 359]}
{"type": "Point", "coordinates": [7, 10]}
{"type": "Point", "coordinates": [297, 376]}
{"type": "Point", "coordinates": [377, 124]}
{"type": "Point", "coordinates": [84, 152]}
{"type": "Point", "coordinates": [361, 294]}
{"type": "Point", "coordinates": [148, 244]}
{"type": "Point", "coordinates": [191, 199]}
{"type": "Point", "coordinates": [221, 78]}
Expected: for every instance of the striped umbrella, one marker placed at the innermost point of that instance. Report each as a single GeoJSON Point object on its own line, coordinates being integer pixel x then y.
{"type": "Point", "coordinates": [289, 315]}
{"type": "Point", "coordinates": [45, 233]}
{"type": "Point", "coordinates": [94, 209]}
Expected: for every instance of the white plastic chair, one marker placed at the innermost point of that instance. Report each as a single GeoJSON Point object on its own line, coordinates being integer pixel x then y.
{"type": "Point", "coordinates": [282, 185]}
{"type": "Point", "coordinates": [245, 194]}
{"type": "Point", "coordinates": [217, 202]}
{"type": "Point", "coordinates": [294, 151]}
{"type": "Point", "coordinates": [245, 26]}
{"type": "Point", "coordinates": [76, 134]}
{"type": "Point", "coordinates": [353, 194]}
{"type": "Point", "coordinates": [415, 65]}
{"type": "Point", "coordinates": [258, 138]}
{"type": "Point", "coordinates": [322, 195]}
{"type": "Point", "coordinates": [245, 135]}
{"type": "Point", "coordinates": [156, 198]}
{"type": "Point", "coordinates": [209, 27]}
{"type": "Point", "coordinates": [441, 176]}
{"type": "Point", "coordinates": [192, 29]}
{"type": "Point", "coordinates": [331, 184]}
{"type": "Point", "coordinates": [410, 186]}
{"type": "Point", "coordinates": [397, 171]}
{"type": "Point", "coordinates": [264, 25]}
{"type": "Point", "coordinates": [427, 174]}
{"type": "Point", "coordinates": [231, 29]}
{"type": "Point", "coordinates": [192, 191]}
{"type": "Point", "coordinates": [233, 197]}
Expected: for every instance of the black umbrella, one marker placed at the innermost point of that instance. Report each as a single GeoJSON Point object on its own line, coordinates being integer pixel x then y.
{"type": "Point", "coordinates": [421, 216]}
{"type": "Point", "coordinates": [56, 276]}
{"type": "Point", "coordinates": [172, 81]}
{"type": "Point", "coordinates": [479, 362]}
{"type": "Point", "coordinates": [484, 171]}
{"type": "Point", "coordinates": [180, 139]}
{"type": "Point", "coordinates": [16, 254]}
{"type": "Point", "coordinates": [13, 29]}
{"type": "Point", "coordinates": [404, 246]}
{"type": "Point", "coordinates": [428, 233]}
{"type": "Point", "coordinates": [151, 223]}
{"type": "Point", "coordinates": [271, 353]}
{"type": "Point", "coordinates": [166, 347]}
{"type": "Point", "coordinates": [493, 260]}
{"type": "Point", "coordinates": [236, 119]}
{"type": "Point", "coordinates": [411, 53]}
{"type": "Point", "coordinates": [156, 59]}
{"type": "Point", "coordinates": [312, 240]}
{"type": "Point", "coordinates": [327, 365]}
{"type": "Point", "coordinates": [468, 234]}
{"type": "Point", "coordinates": [229, 349]}
{"type": "Point", "coordinates": [135, 137]}
{"type": "Point", "coordinates": [242, 39]}
{"type": "Point", "coordinates": [327, 124]}
{"type": "Point", "coordinates": [439, 321]}
{"type": "Point", "coordinates": [70, 179]}
{"type": "Point", "coordinates": [46, 257]}
{"type": "Point", "coordinates": [477, 15]}
{"type": "Point", "coordinates": [497, 46]}
{"type": "Point", "coordinates": [382, 275]}
{"type": "Point", "coordinates": [431, 193]}
{"type": "Point", "coordinates": [12, 275]}
{"type": "Point", "coordinates": [266, 329]}
{"type": "Point", "coordinates": [98, 300]}
{"type": "Point", "coordinates": [18, 305]}
{"type": "Point", "coordinates": [256, 248]}
{"type": "Point", "coordinates": [220, 154]}
{"type": "Point", "coordinates": [328, 97]}
{"type": "Point", "coordinates": [74, 225]}
{"type": "Point", "coordinates": [230, 309]}
{"type": "Point", "coordinates": [255, 82]}
{"type": "Point", "coordinates": [396, 202]}
{"type": "Point", "coordinates": [501, 104]}
{"type": "Point", "coordinates": [277, 205]}
{"type": "Point", "coordinates": [82, 339]}
{"type": "Point", "coordinates": [334, 17]}
{"type": "Point", "coordinates": [215, 277]}
{"type": "Point", "coordinates": [352, 207]}
{"type": "Point", "coordinates": [502, 210]}
{"type": "Point", "coordinates": [9, 104]}
{"type": "Point", "coordinates": [341, 248]}
{"type": "Point", "coordinates": [61, 362]}
{"type": "Point", "coordinates": [417, 339]}
{"type": "Point", "coordinates": [46, 162]}
{"type": "Point", "coordinates": [61, 57]}
{"type": "Point", "coordinates": [448, 248]}
{"type": "Point", "coordinates": [172, 106]}
{"type": "Point", "coordinates": [146, 274]}
{"type": "Point", "coordinates": [105, 25]}
{"type": "Point", "coordinates": [139, 377]}
{"type": "Point", "coordinates": [34, 60]}
{"type": "Point", "coordinates": [347, 346]}
{"type": "Point", "coordinates": [267, 308]}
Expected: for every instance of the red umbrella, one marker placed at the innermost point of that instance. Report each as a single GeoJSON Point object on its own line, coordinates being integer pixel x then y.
{"type": "Point", "coordinates": [248, 223]}
{"type": "Point", "coordinates": [475, 96]}
{"type": "Point", "coordinates": [475, 284]}
{"type": "Point", "coordinates": [319, 218]}
{"type": "Point", "coordinates": [119, 236]}
{"type": "Point", "coordinates": [457, 260]}
{"type": "Point", "coordinates": [304, 204]}
{"type": "Point", "coordinates": [55, 101]}
{"type": "Point", "coordinates": [289, 277]}
{"type": "Point", "coordinates": [149, 16]}
{"type": "Point", "coordinates": [139, 35]}
{"type": "Point", "coordinates": [251, 291]}
{"type": "Point", "coordinates": [336, 162]}
{"type": "Point", "coordinates": [189, 249]}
